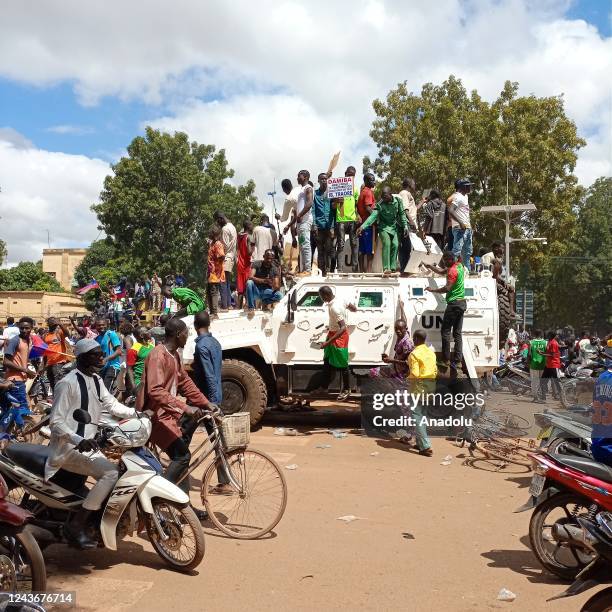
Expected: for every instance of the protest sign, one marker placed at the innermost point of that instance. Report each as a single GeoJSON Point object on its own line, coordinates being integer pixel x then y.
{"type": "Point", "coordinates": [340, 187]}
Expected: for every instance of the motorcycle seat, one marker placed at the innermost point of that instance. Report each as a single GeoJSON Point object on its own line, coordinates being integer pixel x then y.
{"type": "Point", "coordinates": [587, 466]}
{"type": "Point", "coordinates": [33, 458]}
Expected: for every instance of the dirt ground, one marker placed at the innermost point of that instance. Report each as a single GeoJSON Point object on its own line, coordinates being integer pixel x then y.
{"type": "Point", "coordinates": [429, 537]}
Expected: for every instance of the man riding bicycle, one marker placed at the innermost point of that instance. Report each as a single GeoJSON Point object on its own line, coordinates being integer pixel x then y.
{"type": "Point", "coordinates": [174, 421]}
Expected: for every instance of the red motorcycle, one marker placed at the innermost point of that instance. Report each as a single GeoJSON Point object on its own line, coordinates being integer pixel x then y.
{"type": "Point", "coordinates": [567, 485]}
{"type": "Point", "coordinates": [22, 567]}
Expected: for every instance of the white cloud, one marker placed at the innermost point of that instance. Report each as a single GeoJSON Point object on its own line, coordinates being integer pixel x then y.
{"type": "Point", "coordinates": [44, 191]}
{"type": "Point", "coordinates": [77, 130]}
{"type": "Point", "coordinates": [269, 137]}
{"type": "Point", "coordinates": [292, 81]}
{"type": "Point", "coordinates": [17, 140]}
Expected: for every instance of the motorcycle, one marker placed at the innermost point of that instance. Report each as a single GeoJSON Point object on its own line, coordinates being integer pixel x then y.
{"type": "Point", "coordinates": [597, 535]}
{"type": "Point", "coordinates": [579, 380]}
{"type": "Point", "coordinates": [141, 495]}
{"type": "Point", "coordinates": [514, 376]}
{"type": "Point", "coordinates": [22, 567]}
{"type": "Point", "coordinates": [565, 488]}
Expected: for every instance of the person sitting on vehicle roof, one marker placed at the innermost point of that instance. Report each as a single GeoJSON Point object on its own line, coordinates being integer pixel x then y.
{"type": "Point", "coordinates": [189, 301]}
{"type": "Point", "coordinates": [264, 283]}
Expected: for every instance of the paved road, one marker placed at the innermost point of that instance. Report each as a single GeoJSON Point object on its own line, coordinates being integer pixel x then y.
{"type": "Point", "coordinates": [462, 544]}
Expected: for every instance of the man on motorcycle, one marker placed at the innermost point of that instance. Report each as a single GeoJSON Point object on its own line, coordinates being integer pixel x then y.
{"type": "Point", "coordinates": [72, 444]}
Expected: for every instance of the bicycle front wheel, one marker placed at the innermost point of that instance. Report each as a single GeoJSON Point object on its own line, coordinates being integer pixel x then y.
{"type": "Point", "coordinates": [253, 507]}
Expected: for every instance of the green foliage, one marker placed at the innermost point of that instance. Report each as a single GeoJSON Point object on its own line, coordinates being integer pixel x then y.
{"type": "Point", "coordinates": [444, 133]}
{"type": "Point", "coordinates": [526, 143]}
{"type": "Point", "coordinates": [27, 276]}
{"type": "Point", "coordinates": [159, 203]}
{"type": "Point", "coordinates": [3, 251]}
{"type": "Point", "coordinates": [578, 285]}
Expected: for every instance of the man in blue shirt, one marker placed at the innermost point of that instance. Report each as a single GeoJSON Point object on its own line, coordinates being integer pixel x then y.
{"type": "Point", "coordinates": [207, 360]}
{"type": "Point", "coordinates": [324, 223]}
{"type": "Point", "coordinates": [601, 435]}
{"type": "Point", "coordinates": [111, 348]}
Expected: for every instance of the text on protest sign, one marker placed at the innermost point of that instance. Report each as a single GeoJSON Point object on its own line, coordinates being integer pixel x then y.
{"type": "Point", "coordinates": [340, 187]}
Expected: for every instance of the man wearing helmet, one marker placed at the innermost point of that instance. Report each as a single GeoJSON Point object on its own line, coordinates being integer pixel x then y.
{"type": "Point", "coordinates": [72, 445]}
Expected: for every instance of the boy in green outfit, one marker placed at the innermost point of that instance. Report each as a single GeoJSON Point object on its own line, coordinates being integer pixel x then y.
{"type": "Point", "coordinates": [188, 300]}
{"type": "Point", "coordinates": [388, 214]}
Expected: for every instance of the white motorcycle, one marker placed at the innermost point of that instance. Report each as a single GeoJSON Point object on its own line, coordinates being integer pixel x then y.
{"type": "Point", "coordinates": [141, 496]}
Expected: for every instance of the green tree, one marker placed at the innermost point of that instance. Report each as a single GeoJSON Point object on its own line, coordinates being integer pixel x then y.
{"type": "Point", "coordinates": [526, 142]}
{"type": "Point", "coordinates": [3, 251]}
{"type": "Point", "coordinates": [577, 286]}
{"type": "Point", "coordinates": [159, 203]}
{"type": "Point", "coordinates": [27, 276]}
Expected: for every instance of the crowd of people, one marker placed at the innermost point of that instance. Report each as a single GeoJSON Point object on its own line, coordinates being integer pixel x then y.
{"type": "Point", "coordinates": [545, 355]}
{"type": "Point", "coordinates": [250, 266]}
{"type": "Point", "coordinates": [87, 363]}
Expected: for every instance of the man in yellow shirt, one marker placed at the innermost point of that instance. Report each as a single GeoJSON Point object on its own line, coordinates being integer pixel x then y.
{"type": "Point", "coordinates": [422, 378]}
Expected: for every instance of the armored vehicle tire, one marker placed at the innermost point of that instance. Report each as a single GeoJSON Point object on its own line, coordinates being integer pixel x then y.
{"type": "Point", "coordinates": [244, 390]}
{"type": "Point", "coordinates": [505, 316]}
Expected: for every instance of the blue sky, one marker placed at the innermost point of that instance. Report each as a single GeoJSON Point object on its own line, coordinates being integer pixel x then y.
{"type": "Point", "coordinates": [597, 12]}
{"type": "Point", "coordinates": [105, 128]}
{"type": "Point", "coordinates": [78, 84]}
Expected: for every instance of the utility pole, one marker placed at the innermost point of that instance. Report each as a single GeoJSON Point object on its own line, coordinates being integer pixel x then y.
{"type": "Point", "coordinates": [508, 209]}
{"type": "Point", "coordinates": [272, 194]}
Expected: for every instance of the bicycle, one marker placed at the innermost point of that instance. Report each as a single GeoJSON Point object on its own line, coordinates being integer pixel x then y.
{"type": "Point", "coordinates": [253, 500]}
{"type": "Point", "coordinates": [497, 434]}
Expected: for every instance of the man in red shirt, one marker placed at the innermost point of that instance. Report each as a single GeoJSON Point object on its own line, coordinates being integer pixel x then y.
{"type": "Point", "coordinates": [367, 239]}
{"type": "Point", "coordinates": [551, 369]}
{"type": "Point", "coordinates": [57, 357]}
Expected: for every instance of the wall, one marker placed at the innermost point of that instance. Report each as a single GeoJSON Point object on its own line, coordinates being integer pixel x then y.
{"type": "Point", "coordinates": [39, 305]}
{"type": "Point", "coordinates": [61, 263]}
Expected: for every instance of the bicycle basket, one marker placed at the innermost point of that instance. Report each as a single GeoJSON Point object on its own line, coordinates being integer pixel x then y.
{"type": "Point", "coordinates": [236, 429]}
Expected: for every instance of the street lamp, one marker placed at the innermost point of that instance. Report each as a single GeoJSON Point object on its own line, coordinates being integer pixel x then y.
{"type": "Point", "coordinates": [508, 209]}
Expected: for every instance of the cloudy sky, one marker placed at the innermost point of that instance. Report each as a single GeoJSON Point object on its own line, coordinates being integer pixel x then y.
{"type": "Point", "coordinates": [280, 85]}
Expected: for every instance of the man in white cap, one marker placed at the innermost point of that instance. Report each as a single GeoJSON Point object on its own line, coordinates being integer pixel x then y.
{"type": "Point", "coordinates": [72, 445]}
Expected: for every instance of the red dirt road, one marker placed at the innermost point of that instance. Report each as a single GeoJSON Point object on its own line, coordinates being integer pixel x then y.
{"type": "Point", "coordinates": [464, 541]}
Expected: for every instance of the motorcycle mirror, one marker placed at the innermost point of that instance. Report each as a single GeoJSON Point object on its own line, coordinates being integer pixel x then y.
{"type": "Point", "coordinates": [81, 416]}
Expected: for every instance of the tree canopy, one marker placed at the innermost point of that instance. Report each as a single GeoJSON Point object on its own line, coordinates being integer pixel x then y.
{"type": "Point", "coordinates": [158, 204]}
{"type": "Point", "coordinates": [28, 276]}
{"type": "Point", "coordinates": [3, 251]}
{"type": "Point", "coordinates": [577, 286]}
{"type": "Point", "coordinates": [524, 143]}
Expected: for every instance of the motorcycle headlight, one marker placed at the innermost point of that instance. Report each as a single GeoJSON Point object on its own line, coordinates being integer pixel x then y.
{"type": "Point", "coordinates": [131, 433]}
{"type": "Point", "coordinates": [141, 436]}
{"type": "Point", "coordinates": [538, 468]}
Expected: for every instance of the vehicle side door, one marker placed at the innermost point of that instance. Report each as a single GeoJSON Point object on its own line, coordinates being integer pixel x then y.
{"type": "Point", "coordinates": [372, 325]}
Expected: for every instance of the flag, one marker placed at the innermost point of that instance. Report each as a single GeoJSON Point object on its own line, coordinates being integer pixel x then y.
{"type": "Point", "coordinates": [92, 285]}
{"type": "Point", "coordinates": [39, 347]}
